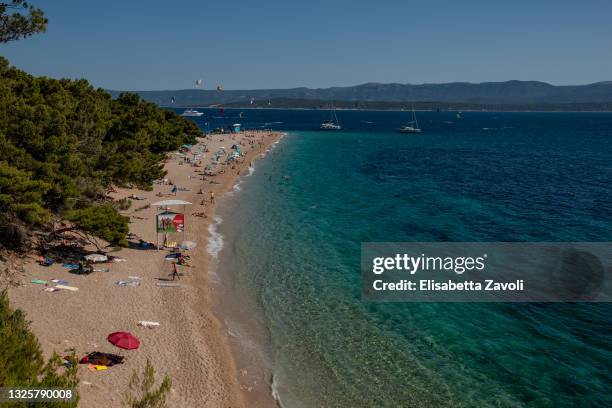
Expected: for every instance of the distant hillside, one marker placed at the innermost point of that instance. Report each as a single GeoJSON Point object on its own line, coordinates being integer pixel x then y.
{"type": "Point", "coordinates": [488, 93]}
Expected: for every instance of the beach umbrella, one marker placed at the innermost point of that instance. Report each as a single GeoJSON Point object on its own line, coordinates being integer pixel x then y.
{"type": "Point", "coordinates": [187, 245]}
{"type": "Point", "coordinates": [96, 258]}
{"type": "Point", "coordinates": [124, 340]}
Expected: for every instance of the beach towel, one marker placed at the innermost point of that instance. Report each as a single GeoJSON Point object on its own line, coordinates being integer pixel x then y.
{"type": "Point", "coordinates": [104, 359]}
{"type": "Point", "coordinates": [145, 323]}
{"type": "Point", "coordinates": [131, 283]}
{"type": "Point", "coordinates": [39, 281]}
{"type": "Point", "coordinates": [70, 288]}
{"type": "Point", "coordinates": [168, 285]}
{"type": "Point", "coordinates": [70, 266]}
{"type": "Point", "coordinates": [95, 367]}
{"type": "Point", "coordinates": [60, 281]}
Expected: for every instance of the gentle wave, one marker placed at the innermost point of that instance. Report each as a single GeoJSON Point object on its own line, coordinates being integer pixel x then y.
{"type": "Point", "coordinates": [236, 188]}
{"type": "Point", "coordinates": [273, 145]}
{"type": "Point", "coordinates": [215, 239]}
{"type": "Point", "coordinates": [275, 394]}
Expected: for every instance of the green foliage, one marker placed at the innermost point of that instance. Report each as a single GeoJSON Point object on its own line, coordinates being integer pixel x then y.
{"type": "Point", "coordinates": [15, 25]}
{"type": "Point", "coordinates": [122, 204]}
{"type": "Point", "coordinates": [145, 394]}
{"type": "Point", "coordinates": [21, 360]}
{"type": "Point", "coordinates": [22, 195]}
{"type": "Point", "coordinates": [102, 221]}
{"type": "Point", "coordinates": [62, 143]}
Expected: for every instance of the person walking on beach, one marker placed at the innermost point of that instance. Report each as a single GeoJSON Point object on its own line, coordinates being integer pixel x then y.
{"type": "Point", "coordinates": [175, 273]}
{"type": "Point", "coordinates": [212, 197]}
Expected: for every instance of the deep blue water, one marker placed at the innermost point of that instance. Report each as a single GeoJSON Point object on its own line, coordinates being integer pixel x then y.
{"type": "Point", "coordinates": [296, 232]}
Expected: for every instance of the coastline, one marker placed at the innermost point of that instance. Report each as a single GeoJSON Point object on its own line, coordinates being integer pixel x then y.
{"type": "Point", "coordinates": [240, 314]}
{"type": "Point", "coordinates": [190, 344]}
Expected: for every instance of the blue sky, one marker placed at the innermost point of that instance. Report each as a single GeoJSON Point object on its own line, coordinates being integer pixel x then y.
{"type": "Point", "coordinates": [140, 45]}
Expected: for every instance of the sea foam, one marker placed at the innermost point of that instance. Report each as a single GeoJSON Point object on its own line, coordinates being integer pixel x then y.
{"type": "Point", "coordinates": [215, 239]}
{"type": "Point", "coordinates": [275, 394]}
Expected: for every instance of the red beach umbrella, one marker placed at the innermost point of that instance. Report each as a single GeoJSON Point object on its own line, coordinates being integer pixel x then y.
{"type": "Point", "coordinates": [124, 340]}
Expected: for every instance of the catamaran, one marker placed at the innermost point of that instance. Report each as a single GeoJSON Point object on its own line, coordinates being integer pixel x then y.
{"type": "Point", "coordinates": [412, 126]}
{"type": "Point", "coordinates": [332, 123]}
{"type": "Point", "coordinates": [192, 112]}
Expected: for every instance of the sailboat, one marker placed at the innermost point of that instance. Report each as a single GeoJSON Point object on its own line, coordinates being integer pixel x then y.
{"type": "Point", "coordinates": [412, 126]}
{"type": "Point", "coordinates": [332, 123]}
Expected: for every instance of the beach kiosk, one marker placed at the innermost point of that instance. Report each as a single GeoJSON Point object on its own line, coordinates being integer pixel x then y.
{"type": "Point", "coordinates": [169, 221]}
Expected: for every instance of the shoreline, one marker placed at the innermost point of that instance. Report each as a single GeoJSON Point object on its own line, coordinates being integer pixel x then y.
{"type": "Point", "coordinates": [247, 335]}
{"type": "Point", "coordinates": [189, 345]}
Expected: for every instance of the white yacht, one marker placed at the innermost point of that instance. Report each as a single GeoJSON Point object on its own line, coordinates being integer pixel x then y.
{"type": "Point", "coordinates": [192, 112]}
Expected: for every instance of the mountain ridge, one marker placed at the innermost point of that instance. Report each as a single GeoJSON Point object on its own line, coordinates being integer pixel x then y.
{"type": "Point", "coordinates": [506, 92]}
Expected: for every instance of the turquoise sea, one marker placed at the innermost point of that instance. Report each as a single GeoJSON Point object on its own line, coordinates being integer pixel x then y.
{"type": "Point", "coordinates": [290, 263]}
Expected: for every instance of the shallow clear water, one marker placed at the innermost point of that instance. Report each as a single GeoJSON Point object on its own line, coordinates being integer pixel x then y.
{"type": "Point", "coordinates": [293, 249]}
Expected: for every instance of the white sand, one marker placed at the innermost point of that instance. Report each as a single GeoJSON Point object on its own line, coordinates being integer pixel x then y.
{"type": "Point", "coordinates": [188, 345]}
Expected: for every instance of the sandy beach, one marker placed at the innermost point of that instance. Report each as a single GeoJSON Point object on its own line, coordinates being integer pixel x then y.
{"type": "Point", "coordinates": [189, 344]}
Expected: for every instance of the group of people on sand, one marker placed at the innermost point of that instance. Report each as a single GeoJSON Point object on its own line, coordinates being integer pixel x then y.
{"type": "Point", "coordinates": [211, 195]}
